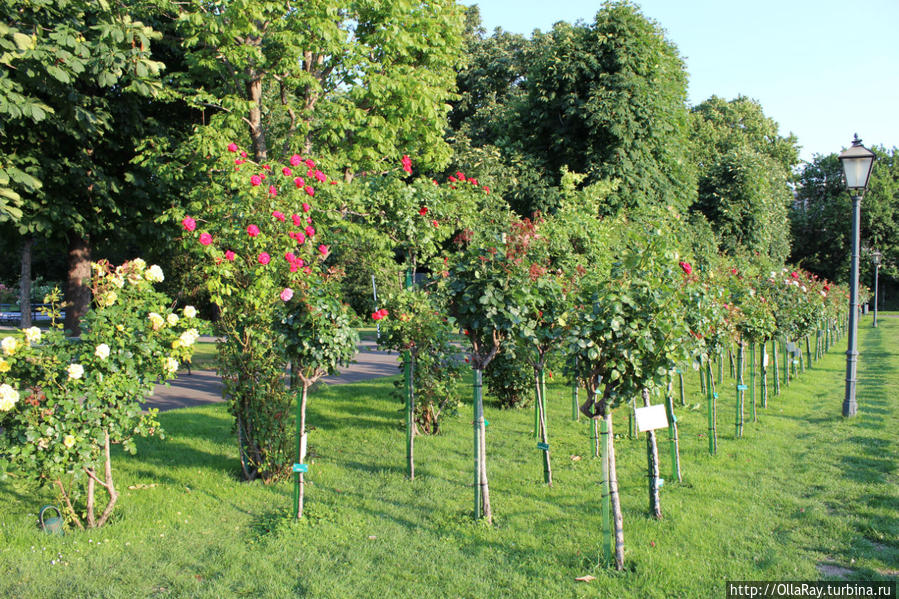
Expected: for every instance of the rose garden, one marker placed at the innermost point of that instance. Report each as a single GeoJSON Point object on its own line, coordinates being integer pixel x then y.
{"type": "Point", "coordinates": [609, 381]}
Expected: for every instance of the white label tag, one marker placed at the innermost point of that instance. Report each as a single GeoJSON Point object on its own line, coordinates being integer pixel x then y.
{"type": "Point", "coordinates": [765, 359]}
{"type": "Point", "coordinates": [651, 418]}
{"type": "Point", "coordinates": [303, 447]}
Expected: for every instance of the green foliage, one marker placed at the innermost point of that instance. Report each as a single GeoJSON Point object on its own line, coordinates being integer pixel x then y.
{"type": "Point", "coordinates": [510, 377]}
{"type": "Point", "coordinates": [744, 173]}
{"type": "Point", "coordinates": [416, 324]}
{"type": "Point", "coordinates": [264, 265]}
{"type": "Point", "coordinates": [631, 329]}
{"type": "Point", "coordinates": [820, 219]}
{"type": "Point", "coordinates": [65, 401]}
{"type": "Point", "coordinates": [74, 75]}
{"type": "Point", "coordinates": [608, 100]}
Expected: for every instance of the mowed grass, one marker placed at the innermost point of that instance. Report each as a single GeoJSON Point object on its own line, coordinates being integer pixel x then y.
{"type": "Point", "coordinates": [803, 492]}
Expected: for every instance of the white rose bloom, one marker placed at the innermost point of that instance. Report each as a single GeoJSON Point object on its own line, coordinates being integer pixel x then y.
{"type": "Point", "coordinates": [76, 371]}
{"type": "Point", "coordinates": [188, 337]}
{"type": "Point", "coordinates": [156, 321]}
{"type": "Point", "coordinates": [171, 365]}
{"type": "Point", "coordinates": [33, 334]}
{"type": "Point", "coordinates": [803, 288]}
{"type": "Point", "coordinates": [139, 264]}
{"type": "Point", "coordinates": [9, 345]}
{"type": "Point", "coordinates": [8, 397]}
{"type": "Point", "coordinates": [823, 294]}
{"type": "Point", "coordinates": [190, 312]}
{"type": "Point", "coordinates": [102, 351]}
{"type": "Point", "coordinates": [172, 319]}
{"type": "Point", "coordinates": [118, 281]}
{"type": "Point", "coordinates": [154, 274]}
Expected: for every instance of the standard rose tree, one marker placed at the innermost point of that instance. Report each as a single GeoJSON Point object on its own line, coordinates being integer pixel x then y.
{"type": "Point", "coordinates": [71, 401]}
{"type": "Point", "coordinates": [263, 257]}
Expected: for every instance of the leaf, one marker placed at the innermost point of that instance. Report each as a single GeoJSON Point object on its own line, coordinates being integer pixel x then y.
{"type": "Point", "coordinates": [587, 578]}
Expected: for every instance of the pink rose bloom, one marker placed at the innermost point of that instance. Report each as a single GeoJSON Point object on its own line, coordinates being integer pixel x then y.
{"type": "Point", "coordinates": [310, 232]}
{"type": "Point", "coordinates": [794, 274]}
{"type": "Point", "coordinates": [306, 207]}
{"type": "Point", "coordinates": [229, 256]}
{"type": "Point", "coordinates": [205, 238]}
{"type": "Point", "coordinates": [423, 210]}
{"type": "Point", "coordinates": [255, 180]}
{"type": "Point", "coordinates": [290, 257]}
{"type": "Point", "coordinates": [279, 215]}
{"type": "Point", "coordinates": [266, 167]}
{"type": "Point", "coordinates": [297, 220]}
{"type": "Point", "coordinates": [286, 294]}
{"type": "Point", "coordinates": [264, 258]}
{"type": "Point", "coordinates": [295, 160]}
{"type": "Point", "coordinates": [272, 191]}
{"type": "Point", "coordinates": [310, 163]}
{"type": "Point", "coordinates": [307, 270]}
{"type": "Point", "coordinates": [435, 223]}
{"type": "Point", "coordinates": [239, 161]}
{"type": "Point", "coordinates": [407, 163]}
{"type": "Point", "coordinates": [300, 238]}
{"type": "Point", "coordinates": [188, 223]}
{"type": "Point", "coordinates": [320, 176]}
{"type": "Point", "coordinates": [308, 189]}
{"type": "Point", "coordinates": [460, 175]}
{"type": "Point", "coordinates": [685, 266]}
{"type": "Point", "coordinates": [308, 220]}
{"type": "Point", "coordinates": [286, 171]}
{"type": "Point", "coordinates": [243, 154]}
{"type": "Point", "coordinates": [252, 230]}
{"type": "Point", "coordinates": [452, 179]}
{"type": "Point", "coordinates": [294, 267]}
{"type": "Point", "coordinates": [299, 182]}
{"type": "Point", "coordinates": [323, 250]}
{"type": "Point", "coordinates": [232, 147]}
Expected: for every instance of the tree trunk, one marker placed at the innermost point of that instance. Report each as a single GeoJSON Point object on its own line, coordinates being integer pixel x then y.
{"type": "Point", "coordinates": [257, 134]}
{"type": "Point", "coordinates": [740, 395]}
{"type": "Point", "coordinates": [615, 499]}
{"type": "Point", "coordinates": [408, 371]}
{"type": "Point", "coordinates": [482, 489]}
{"type": "Point", "coordinates": [78, 292]}
{"type": "Point", "coordinates": [25, 284]}
{"type": "Point", "coordinates": [713, 417]}
{"type": "Point", "coordinates": [544, 437]}
{"type": "Point", "coordinates": [652, 456]}
{"type": "Point", "coordinates": [672, 431]}
{"type": "Point", "coordinates": [606, 502]}
{"type": "Point", "coordinates": [110, 487]}
{"type": "Point", "coordinates": [776, 367]}
{"type": "Point", "coordinates": [301, 455]}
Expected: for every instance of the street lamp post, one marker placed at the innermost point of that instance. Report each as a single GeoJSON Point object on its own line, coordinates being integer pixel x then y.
{"type": "Point", "coordinates": [875, 258]}
{"type": "Point", "coordinates": [857, 162]}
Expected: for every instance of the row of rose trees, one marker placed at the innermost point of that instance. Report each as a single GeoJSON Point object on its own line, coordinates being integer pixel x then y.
{"type": "Point", "coordinates": [626, 304]}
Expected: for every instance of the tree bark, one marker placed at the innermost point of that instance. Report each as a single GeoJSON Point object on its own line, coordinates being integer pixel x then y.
{"type": "Point", "coordinates": [25, 284]}
{"type": "Point", "coordinates": [303, 399]}
{"type": "Point", "coordinates": [615, 499]}
{"type": "Point", "coordinates": [652, 456]}
{"type": "Point", "coordinates": [254, 94]}
{"type": "Point", "coordinates": [78, 293]}
{"type": "Point", "coordinates": [110, 487]}
{"type": "Point", "coordinates": [544, 437]}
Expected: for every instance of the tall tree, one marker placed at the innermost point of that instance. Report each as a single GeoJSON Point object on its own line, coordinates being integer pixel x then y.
{"type": "Point", "coordinates": [74, 77]}
{"type": "Point", "coordinates": [609, 100]}
{"type": "Point", "coordinates": [351, 83]}
{"type": "Point", "coordinates": [745, 168]}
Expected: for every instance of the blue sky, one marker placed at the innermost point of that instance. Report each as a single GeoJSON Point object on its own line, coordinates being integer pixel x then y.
{"type": "Point", "coordinates": [822, 69]}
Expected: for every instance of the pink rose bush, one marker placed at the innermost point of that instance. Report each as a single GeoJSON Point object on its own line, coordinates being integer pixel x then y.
{"type": "Point", "coordinates": [263, 299]}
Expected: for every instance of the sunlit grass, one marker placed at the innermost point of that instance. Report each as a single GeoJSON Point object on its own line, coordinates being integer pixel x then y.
{"type": "Point", "coordinates": [804, 487]}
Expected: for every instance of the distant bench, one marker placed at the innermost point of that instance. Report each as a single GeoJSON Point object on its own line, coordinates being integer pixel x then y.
{"type": "Point", "coordinates": [9, 315]}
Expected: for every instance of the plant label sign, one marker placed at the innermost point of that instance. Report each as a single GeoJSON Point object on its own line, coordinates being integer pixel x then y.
{"type": "Point", "coordinates": [651, 418]}
{"type": "Point", "coordinates": [300, 468]}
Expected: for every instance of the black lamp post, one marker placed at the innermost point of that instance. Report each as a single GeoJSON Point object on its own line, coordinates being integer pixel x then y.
{"type": "Point", "coordinates": [875, 259]}
{"type": "Point", "coordinates": [857, 162]}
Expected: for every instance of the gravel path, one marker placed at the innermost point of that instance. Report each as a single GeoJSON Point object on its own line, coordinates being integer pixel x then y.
{"type": "Point", "coordinates": [205, 386]}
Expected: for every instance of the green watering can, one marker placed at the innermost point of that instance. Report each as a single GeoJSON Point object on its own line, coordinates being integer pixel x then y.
{"type": "Point", "coordinates": [53, 525]}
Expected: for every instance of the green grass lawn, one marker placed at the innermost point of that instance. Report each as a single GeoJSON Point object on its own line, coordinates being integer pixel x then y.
{"type": "Point", "coordinates": [802, 490]}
